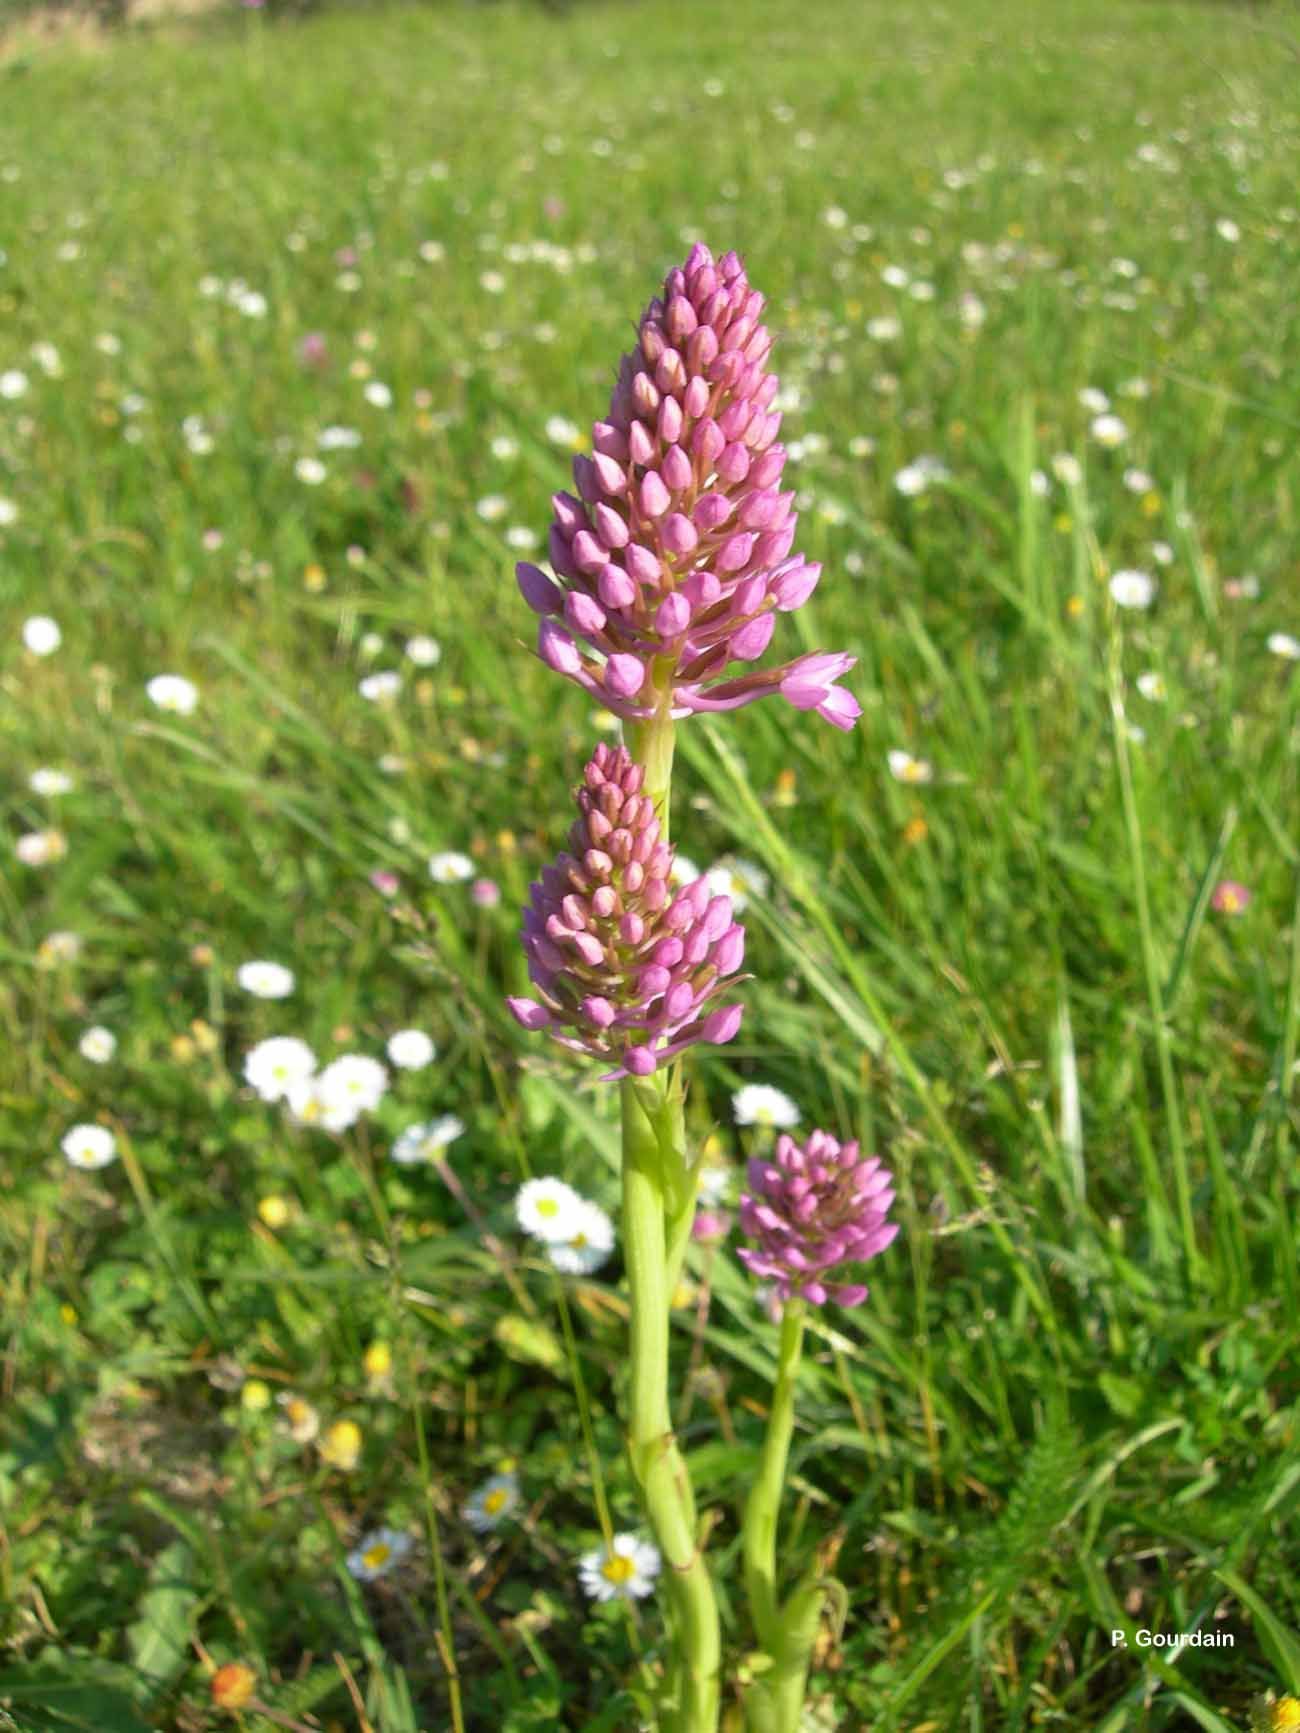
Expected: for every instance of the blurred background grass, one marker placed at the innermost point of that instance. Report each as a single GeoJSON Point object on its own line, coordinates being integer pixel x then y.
{"type": "Point", "coordinates": [1070, 1404]}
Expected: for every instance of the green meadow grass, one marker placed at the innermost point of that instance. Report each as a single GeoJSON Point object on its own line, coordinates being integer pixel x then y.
{"type": "Point", "coordinates": [1070, 1405]}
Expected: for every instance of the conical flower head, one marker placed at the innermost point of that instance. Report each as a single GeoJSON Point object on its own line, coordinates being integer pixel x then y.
{"type": "Point", "coordinates": [816, 1206]}
{"type": "Point", "coordinates": [624, 969]}
{"type": "Point", "coordinates": [677, 543]}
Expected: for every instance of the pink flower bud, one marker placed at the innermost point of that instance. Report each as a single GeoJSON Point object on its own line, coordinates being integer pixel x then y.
{"type": "Point", "coordinates": [542, 596]}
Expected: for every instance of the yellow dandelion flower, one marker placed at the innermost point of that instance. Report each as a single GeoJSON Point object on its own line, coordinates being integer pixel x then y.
{"type": "Point", "coordinates": [232, 1686]}
{"type": "Point", "coordinates": [255, 1396]}
{"type": "Point", "coordinates": [205, 1037]}
{"type": "Point", "coordinates": [786, 791]}
{"type": "Point", "coordinates": [341, 1445]}
{"type": "Point", "coordinates": [275, 1212]}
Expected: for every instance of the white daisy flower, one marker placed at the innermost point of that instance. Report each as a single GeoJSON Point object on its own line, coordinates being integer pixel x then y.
{"type": "Point", "coordinates": [310, 470]}
{"type": "Point", "coordinates": [97, 1044]}
{"type": "Point", "coordinates": [354, 1080]}
{"type": "Point", "coordinates": [378, 1553]}
{"type": "Point", "coordinates": [1152, 686]}
{"type": "Point", "coordinates": [89, 1146]}
{"type": "Point", "coordinates": [492, 507]}
{"type": "Point", "coordinates": [1067, 469]}
{"type": "Point", "coordinates": [411, 1050]}
{"type": "Point", "coordinates": [885, 329]}
{"type": "Point", "coordinates": [274, 1066]}
{"type": "Point", "coordinates": [738, 879]}
{"type": "Point", "coordinates": [8, 515]}
{"type": "Point", "coordinates": [39, 847]}
{"type": "Point", "coordinates": [1227, 230]}
{"type": "Point", "coordinates": [41, 634]}
{"type": "Point", "coordinates": [1283, 644]}
{"type": "Point", "coordinates": [1131, 589]}
{"type": "Point", "coordinates": [425, 652]}
{"type": "Point", "coordinates": [173, 692]}
{"type": "Point", "coordinates": [265, 980]}
{"type": "Point", "coordinates": [489, 1505]}
{"type": "Point", "coordinates": [1094, 401]}
{"type": "Point", "coordinates": [682, 872]}
{"type": "Point", "coordinates": [589, 1246]}
{"type": "Point", "coordinates": [420, 1143]}
{"type": "Point", "coordinates": [13, 384]}
{"type": "Point", "coordinates": [49, 783]}
{"type": "Point", "coordinates": [549, 1210]}
{"type": "Point", "coordinates": [58, 947]}
{"type": "Point", "coordinates": [1108, 430]}
{"type": "Point", "coordinates": [911, 481]}
{"type": "Point", "coordinates": [503, 448]}
{"type": "Point", "coordinates": [714, 1180]}
{"type": "Point", "coordinates": [1138, 481]}
{"type": "Point", "coordinates": [1162, 553]}
{"type": "Point", "coordinates": [904, 768]}
{"type": "Point", "coordinates": [335, 438]}
{"type": "Point", "coordinates": [301, 1420]}
{"type": "Point", "coordinates": [561, 431]}
{"type": "Point", "coordinates": [762, 1104]}
{"type": "Point", "coordinates": [378, 394]}
{"type": "Point", "coordinates": [450, 868]}
{"type": "Point", "coordinates": [307, 1107]}
{"type": "Point", "coordinates": [371, 643]}
{"type": "Point", "coordinates": [625, 1570]}
{"type": "Point", "coordinates": [381, 687]}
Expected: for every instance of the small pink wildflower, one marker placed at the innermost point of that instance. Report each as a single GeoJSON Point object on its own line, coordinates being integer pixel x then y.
{"type": "Point", "coordinates": [1230, 898]}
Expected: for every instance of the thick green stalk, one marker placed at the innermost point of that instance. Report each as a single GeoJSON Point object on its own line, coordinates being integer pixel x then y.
{"type": "Point", "coordinates": [658, 1206]}
{"type": "Point", "coordinates": [786, 1634]}
{"type": "Point", "coordinates": [657, 1462]}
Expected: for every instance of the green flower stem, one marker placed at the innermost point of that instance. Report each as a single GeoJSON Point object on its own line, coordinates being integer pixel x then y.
{"type": "Point", "coordinates": [774, 1702]}
{"type": "Point", "coordinates": [762, 1512]}
{"type": "Point", "coordinates": [657, 1463]}
{"type": "Point", "coordinates": [658, 1208]}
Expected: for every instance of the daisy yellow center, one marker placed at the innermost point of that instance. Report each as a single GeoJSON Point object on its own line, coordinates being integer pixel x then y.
{"type": "Point", "coordinates": [578, 1242]}
{"type": "Point", "coordinates": [496, 1501]}
{"type": "Point", "coordinates": [913, 771]}
{"type": "Point", "coordinates": [1231, 902]}
{"type": "Point", "coordinates": [547, 1206]}
{"type": "Point", "coordinates": [376, 1555]}
{"type": "Point", "coordinates": [618, 1569]}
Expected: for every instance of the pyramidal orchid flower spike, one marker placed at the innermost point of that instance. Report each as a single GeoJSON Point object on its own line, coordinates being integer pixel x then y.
{"type": "Point", "coordinates": [625, 970]}
{"type": "Point", "coordinates": [670, 564]}
{"type": "Point", "coordinates": [675, 552]}
{"type": "Point", "coordinates": [814, 1207]}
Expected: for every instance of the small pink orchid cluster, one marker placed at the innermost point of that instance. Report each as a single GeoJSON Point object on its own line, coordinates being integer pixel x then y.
{"type": "Point", "coordinates": [624, 969]}
{"type": "Point", "coordinates": [816, 1206]}
{"type": "Point", "coordinates": [676, 549]}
